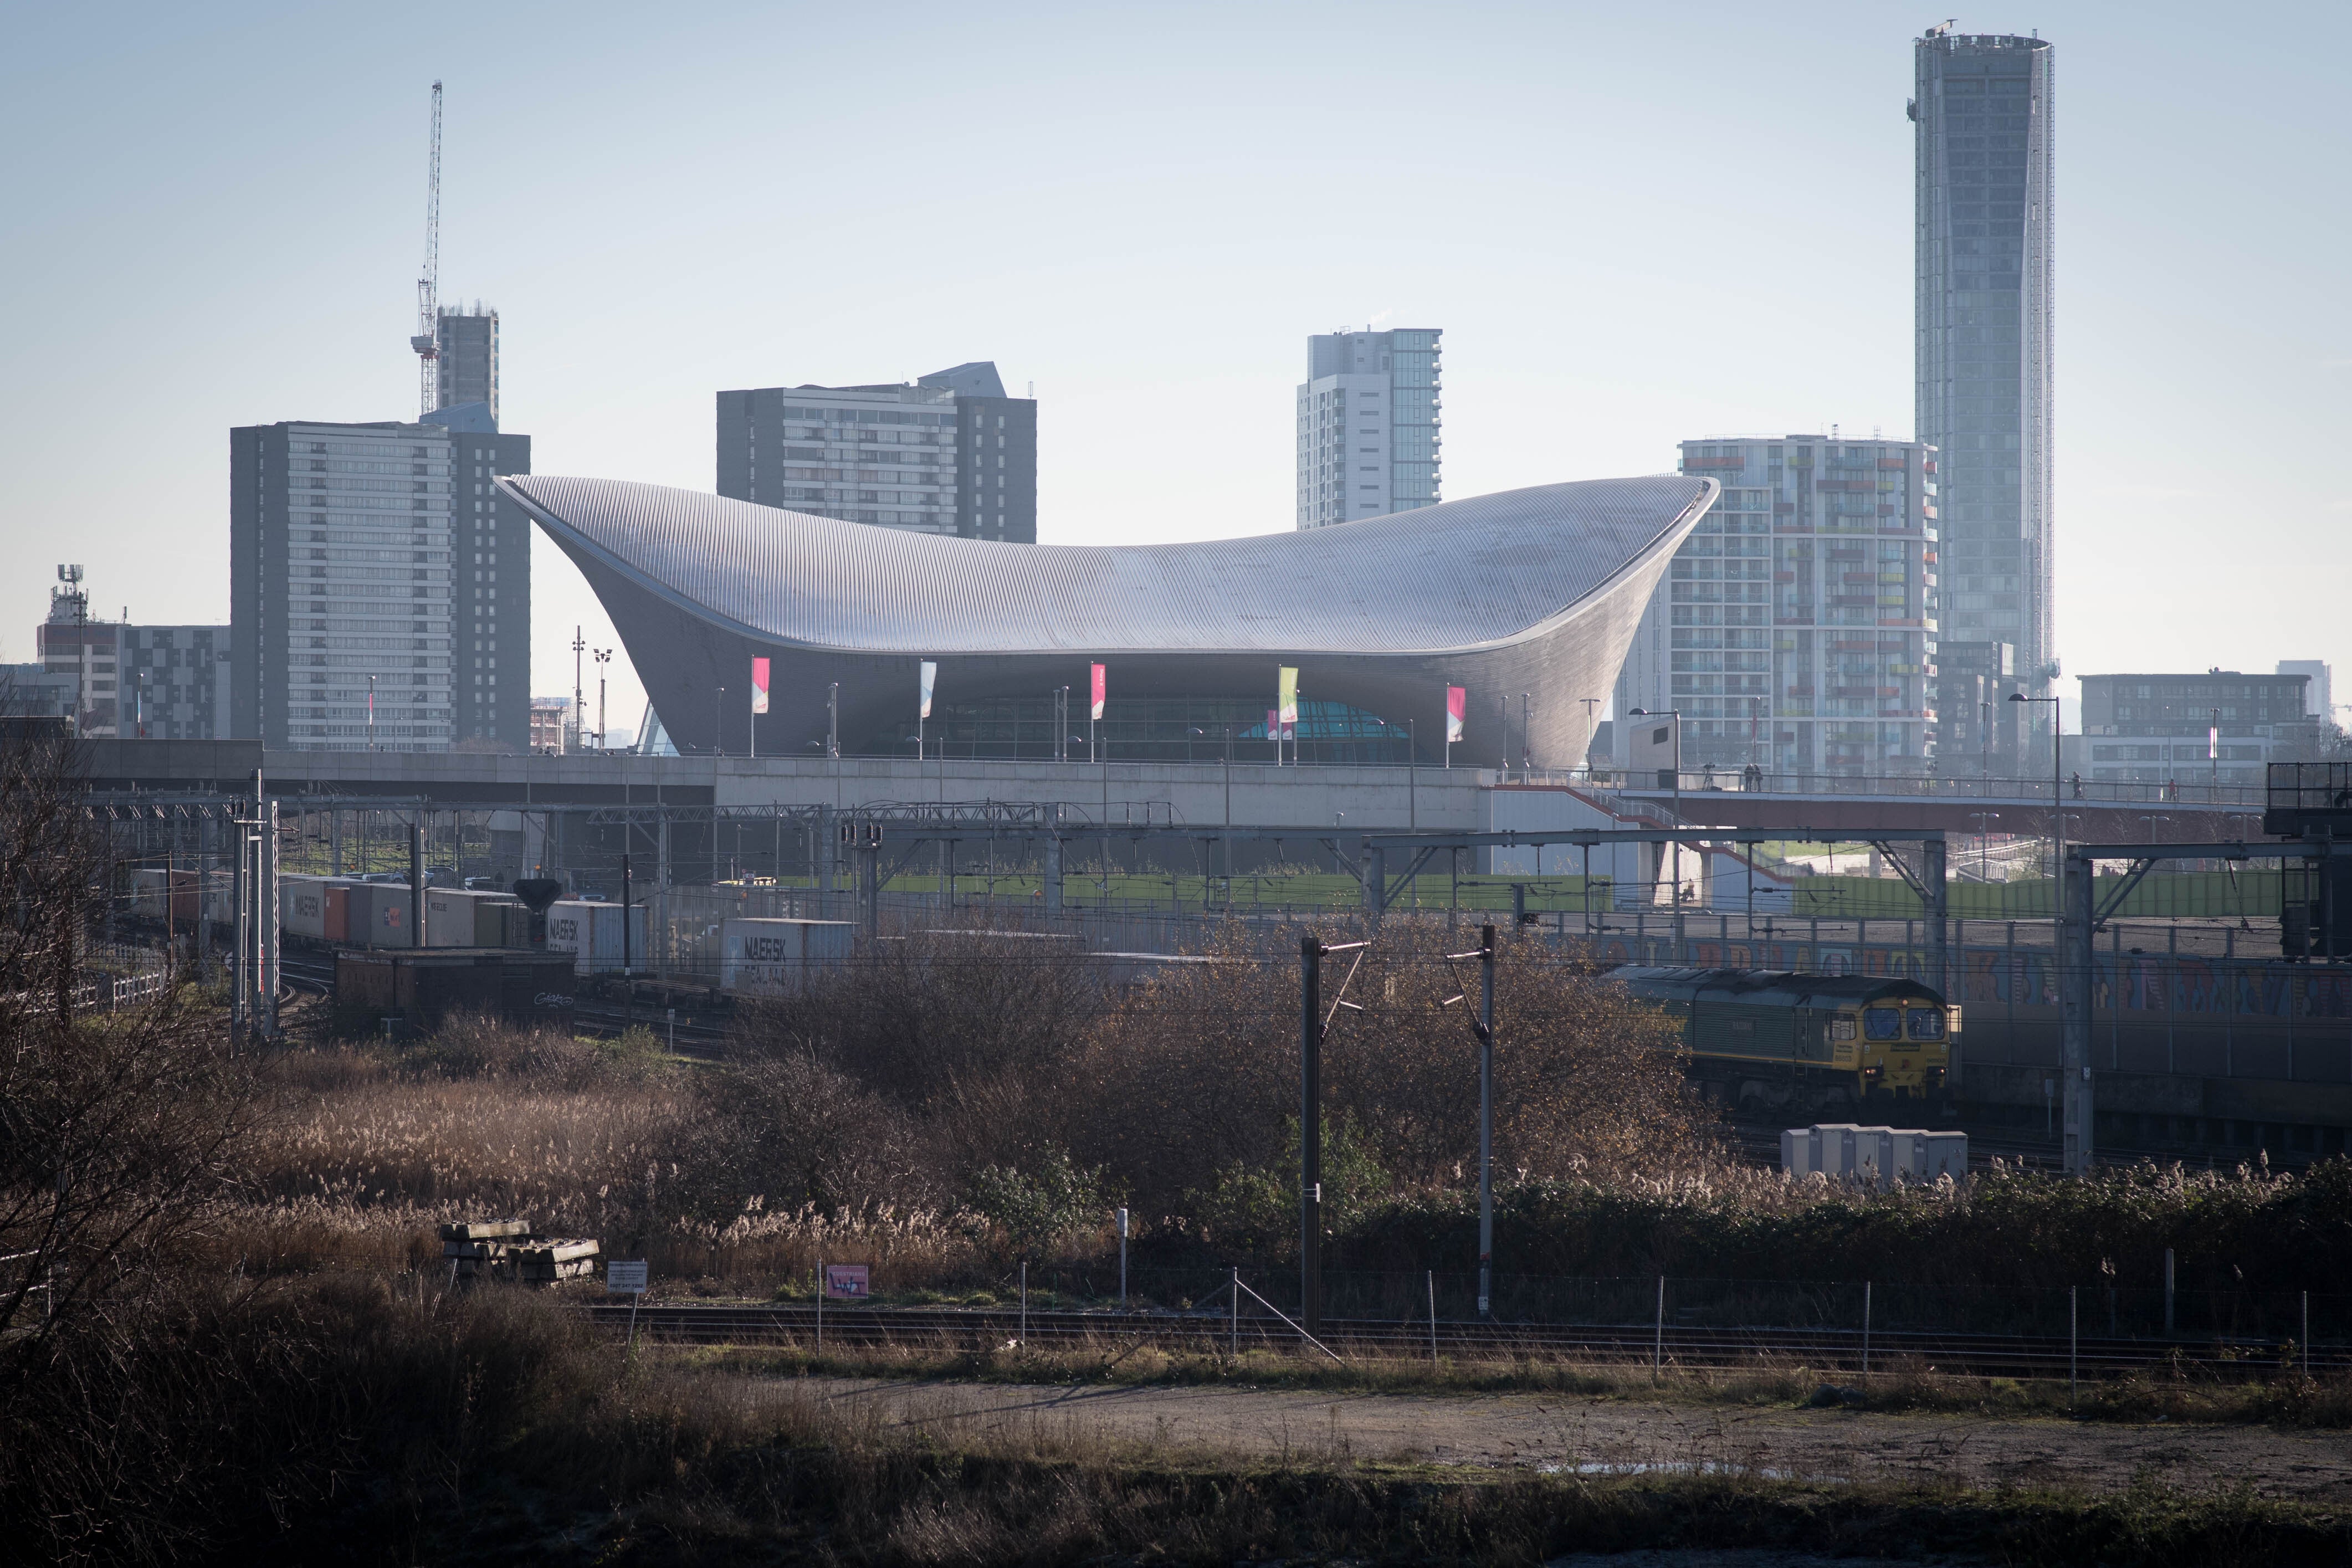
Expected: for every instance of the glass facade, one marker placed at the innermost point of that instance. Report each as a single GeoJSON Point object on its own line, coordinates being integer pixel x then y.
{"type": "Point", "coordinates": [1147, 728]}
{"type": "Point", "coordinates": [1369, 425]}
{"type": "Point", "coordinates": [1982, 118]}
{"type": "Point", "coordinates": [1796, 628]}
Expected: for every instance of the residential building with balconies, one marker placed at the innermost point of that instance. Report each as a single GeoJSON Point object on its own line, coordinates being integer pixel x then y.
{"type": "Point", "coordinates": [1795, 628]}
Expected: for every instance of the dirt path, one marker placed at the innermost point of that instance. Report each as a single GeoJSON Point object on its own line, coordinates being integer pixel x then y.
{"type": "Point", "coordinates": [1545, 1432]}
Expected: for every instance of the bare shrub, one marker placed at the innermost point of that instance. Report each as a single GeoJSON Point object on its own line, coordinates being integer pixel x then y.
{"type": "Point", "coordinates": [1196, 1074]}
{"type": "Point", "coordinates": [116, 1131]}
{"type": "Point", "coordinates": [968, 1033]}
{"type": "Point", "coordinates": [797, 1131]}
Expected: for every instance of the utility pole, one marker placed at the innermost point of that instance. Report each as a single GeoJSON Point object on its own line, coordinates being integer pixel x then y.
{"type": "Point", "coordinates": [2076, 893]}
{"type": "Point", "coordinates": [1486, 1120]}
{"type": "Point", "coordinates": [1311, 1133]}
{"type": "Point", "coordinates": [427, 341]}
{"type": "Point", "coordinates": [603, 657]}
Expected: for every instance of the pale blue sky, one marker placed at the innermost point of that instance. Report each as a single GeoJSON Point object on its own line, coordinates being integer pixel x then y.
{"type": "Point", "coordinates": [1635, 223]}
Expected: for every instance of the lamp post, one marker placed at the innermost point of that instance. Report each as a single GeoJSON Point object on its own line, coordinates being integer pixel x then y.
{"type": "Point", "coordinates": [719, 723]}
{"type": "Point", "coordinates": [1676, 715]}
{"type": "Point", "coordinates": [2213, 755]}
{"type": "Point", "coordinates": [579, 686]}
{"type": "Point", "coordinates": [2057, 794]}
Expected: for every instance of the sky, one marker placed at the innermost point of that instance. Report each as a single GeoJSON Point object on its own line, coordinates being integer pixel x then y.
{"type": "Point", "coordinates": [1635, 225]}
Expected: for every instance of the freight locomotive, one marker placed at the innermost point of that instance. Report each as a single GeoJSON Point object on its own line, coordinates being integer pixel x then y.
{"type": "Point", "coordinates": [1781, 1040]}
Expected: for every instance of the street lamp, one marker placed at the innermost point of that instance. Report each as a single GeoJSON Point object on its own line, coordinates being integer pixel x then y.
{"type": "Point", "coordinates": [1676, 715]}
{"type": "Point", "coordinates": [2057, 798]}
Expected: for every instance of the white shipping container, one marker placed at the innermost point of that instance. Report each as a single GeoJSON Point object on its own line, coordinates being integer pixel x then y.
{"type": "Point", "coordinates": [1831, 1147]}
{"type": "Point", "coordinates": [591, 932]}
{"type": "Point", "coordinates": [1844, 1150]}
{"type": "Point", "coordinates": [220, 898]}
{"type": "Point", "coordinates": [302, 905]}
{"type": "Point", "coordinates": [772, 957]}
{"type": "Point", "coordinates": [1927, 1155]}
{"type": "Point", "coordinates": [380, 915]}
{"type": "Point", "coordinates": [452, 918]}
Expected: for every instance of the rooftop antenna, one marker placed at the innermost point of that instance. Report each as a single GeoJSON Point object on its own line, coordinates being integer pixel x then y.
{"type": "Point", "coordinates": [426, 343]}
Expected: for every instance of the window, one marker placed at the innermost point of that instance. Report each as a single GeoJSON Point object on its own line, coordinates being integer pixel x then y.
{"type": "Point", "coordinates": [1927, 1023]}
{"type": "Point", "coordinates": [1882, 1023]}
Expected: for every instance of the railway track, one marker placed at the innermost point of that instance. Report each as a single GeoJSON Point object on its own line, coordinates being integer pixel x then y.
{"type": "Point", "coordinates": [1842, 1349]}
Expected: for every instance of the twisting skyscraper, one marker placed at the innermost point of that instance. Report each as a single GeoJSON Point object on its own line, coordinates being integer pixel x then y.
{"type": "Point", "coordinates": [1983, 236]}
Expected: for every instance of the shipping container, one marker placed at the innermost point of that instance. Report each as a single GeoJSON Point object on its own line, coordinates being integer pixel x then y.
{"type": "Point", "coordinates": [491, 926]}
{"type": "Point", "coordinates": [380, 915]}
{"type": "Point", "coordinates": [777, 957]}
{"type": "Point", "coordinates": [316, 908]}
{"type": "Point", "coordinates": [591, 932]}
{"type": "Point", "coordinates": [147, 896]}
{"type": "Point", "coordinates": [455, 918]}
{"type": "Point", "coordinates": [1844, 1152]}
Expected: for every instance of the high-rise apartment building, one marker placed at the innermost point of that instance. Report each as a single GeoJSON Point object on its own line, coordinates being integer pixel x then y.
{"type": "Point", "coordinates": [948, 453]}
{"type": "Point", "coordinates": [467, 357]}
{"type": "Point", "coordinates": [379, 587]}
{"type": "Point", "coordinates": [1368, 425]}
{"type": "Point", "coordinates": [1796, 628]}
{"type": "Point", "coordinates": [1978, 728]}
{"type": "Point", "coordinates": [1982, 235]}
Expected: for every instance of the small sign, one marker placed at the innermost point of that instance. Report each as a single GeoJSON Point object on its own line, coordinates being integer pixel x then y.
{"type": "Point", "coordinates": [624, 1278]}
{"type": "Point", "coordinates": [846, 1281]}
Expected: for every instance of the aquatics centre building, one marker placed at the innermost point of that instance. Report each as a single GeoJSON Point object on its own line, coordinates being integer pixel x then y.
{"type": "Point", "coordinates": [1527, 599]}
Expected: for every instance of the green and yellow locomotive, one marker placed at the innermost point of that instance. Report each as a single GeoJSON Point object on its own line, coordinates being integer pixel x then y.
{"type": "Point", "coordinates": [1780, 1041]}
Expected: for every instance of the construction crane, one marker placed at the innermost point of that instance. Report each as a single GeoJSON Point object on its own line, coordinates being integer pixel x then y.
{"type": "Point", "coordinates": [427, 341]}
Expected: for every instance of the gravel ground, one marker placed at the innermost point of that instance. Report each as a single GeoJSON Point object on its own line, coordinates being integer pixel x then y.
{"type": "Point", "coordinates": [1552, 1434]}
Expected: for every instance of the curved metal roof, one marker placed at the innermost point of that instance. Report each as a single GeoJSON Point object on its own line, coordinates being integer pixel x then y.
{"type": "Point", "coordinates": [1466, 574]}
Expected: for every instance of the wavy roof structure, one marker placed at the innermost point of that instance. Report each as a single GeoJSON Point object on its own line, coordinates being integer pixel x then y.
{"type": "Point", "coordinates": [1449, 579]}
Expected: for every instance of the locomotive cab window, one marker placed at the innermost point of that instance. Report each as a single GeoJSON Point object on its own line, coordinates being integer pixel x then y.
{"type": "Point", "coordinates": [1927, 1023]}
{"type": "Point", "coordinates": [1842, 1028]}
{"type": "Point", "coordinates": [1882, 1023]}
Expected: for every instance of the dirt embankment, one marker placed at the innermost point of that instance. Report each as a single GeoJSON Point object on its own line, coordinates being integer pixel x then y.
{"type": "Point", "coordinates": [1555, 1433]}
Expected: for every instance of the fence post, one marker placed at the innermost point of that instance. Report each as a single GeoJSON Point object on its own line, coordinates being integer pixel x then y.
{"type": "Point", "coordinates": [1433, 1317]}
{"type": "Point", "coordinates": [2074, 1341]}
{"type": "Point", "coordinates": [2303, 1346]}
{"type": "Point", "coordinates": [1866, 1330]}
{"type": "Point", "coordinates": [1122, 1258]}
{"type": "Point", "coordinates": [1233, 1341]}
{"type": "Point", "coordinates": [2168, 1292]}
{"type": "Point", "coordinates": [1658, 1338]}
{"type": "Point", "coordinates": [820, 1303]}
{"type": "Point", "coordinates": [1024, 1304]}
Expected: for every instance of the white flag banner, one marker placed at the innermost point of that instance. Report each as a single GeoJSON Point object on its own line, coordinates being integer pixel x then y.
{"type": "Point", "coordinates": [930, 674]}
